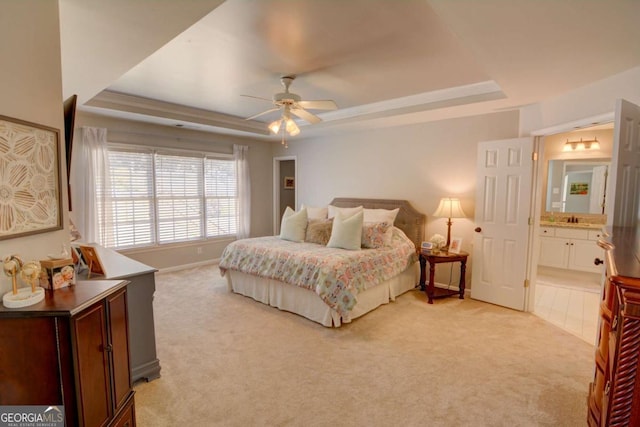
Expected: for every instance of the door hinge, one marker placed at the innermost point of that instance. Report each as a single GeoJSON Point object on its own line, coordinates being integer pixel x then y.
{"type": "Point", "coordinates": [534, 156]}
{"type": "Point", "coordinates": [526, 283]}
{"type": "Point", "coordinates": [530, 221]}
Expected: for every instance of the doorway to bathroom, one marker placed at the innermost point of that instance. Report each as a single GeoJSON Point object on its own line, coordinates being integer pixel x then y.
{"type": "Point", "coordinates": [573, 194]}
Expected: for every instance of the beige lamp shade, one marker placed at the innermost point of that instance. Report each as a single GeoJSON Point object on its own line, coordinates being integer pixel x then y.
{"type": "Point", "coordinates": [449, 208]}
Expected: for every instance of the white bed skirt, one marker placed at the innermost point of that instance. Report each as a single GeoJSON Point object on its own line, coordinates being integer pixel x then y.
{"type": "Point", "coordinates": [308, 304]}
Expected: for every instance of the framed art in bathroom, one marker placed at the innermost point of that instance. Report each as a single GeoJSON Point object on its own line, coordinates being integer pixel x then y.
{"type": "Point", "coordinates": [30, 198]}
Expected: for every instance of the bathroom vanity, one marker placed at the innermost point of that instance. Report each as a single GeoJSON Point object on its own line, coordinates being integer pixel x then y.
{"type": "Point", "coordinates": [570, 246]}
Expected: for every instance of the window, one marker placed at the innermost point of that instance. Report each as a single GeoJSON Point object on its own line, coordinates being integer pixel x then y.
{"type": "Point", "coordinates": [221, 201]}
{"type": "Point", "coordinates": [166, 197]}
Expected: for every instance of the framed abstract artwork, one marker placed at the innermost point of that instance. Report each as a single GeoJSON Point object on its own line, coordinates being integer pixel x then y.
{"type": "Point", "coordinates": [30, 198]}
{"type": "Point", "coordinates": [289, 183]}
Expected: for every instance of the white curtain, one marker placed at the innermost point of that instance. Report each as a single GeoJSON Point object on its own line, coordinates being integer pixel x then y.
{"type": "Point", "coordinates": [240, 154]}
{"type": "Point", "coordinates": [89, 182]}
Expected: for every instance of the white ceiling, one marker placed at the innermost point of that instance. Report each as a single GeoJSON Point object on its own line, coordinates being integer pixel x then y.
{"type": "Point", "coordinates": [382, 61]}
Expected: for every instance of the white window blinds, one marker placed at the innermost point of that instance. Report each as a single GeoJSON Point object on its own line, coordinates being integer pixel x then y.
{"type": "Point", "coordinates": [165, 197]}
{"type": "Point", "coordinates": [221, 197]}
{"type": "Point", "coordinates": [129, 217]}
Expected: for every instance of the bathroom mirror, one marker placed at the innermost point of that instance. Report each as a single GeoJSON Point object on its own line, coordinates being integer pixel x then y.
{"type": "Point", "coordinates": [577, 185]}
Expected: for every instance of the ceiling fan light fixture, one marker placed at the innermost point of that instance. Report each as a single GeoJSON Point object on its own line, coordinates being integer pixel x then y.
{"type": "Point", "coordinates": [291, 103]}
{"type": "Point", "coordinates": [274, 126]}
{"type": "Point", "coordinates": [291, 127]}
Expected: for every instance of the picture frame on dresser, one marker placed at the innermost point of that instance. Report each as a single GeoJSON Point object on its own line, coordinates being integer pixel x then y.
{"type": "Point", "coordinates": [92, 260]}
{"type": "Point", "coordinates": [455, 245]}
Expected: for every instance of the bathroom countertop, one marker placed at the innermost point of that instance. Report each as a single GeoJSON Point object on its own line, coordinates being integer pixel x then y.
{"type": "Point", "coordinates": [583, 225]}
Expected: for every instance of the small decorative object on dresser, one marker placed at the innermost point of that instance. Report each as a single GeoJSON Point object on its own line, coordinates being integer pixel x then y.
{"type": "Point", "coordinates": [57, 273]}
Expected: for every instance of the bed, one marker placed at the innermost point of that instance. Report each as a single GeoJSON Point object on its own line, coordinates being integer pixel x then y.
{"type": "Point", "coordinates": [312, 292]}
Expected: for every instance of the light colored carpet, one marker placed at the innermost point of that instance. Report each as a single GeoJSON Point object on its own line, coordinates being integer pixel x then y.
{"type": "Point", "coordinates": [230, 361]}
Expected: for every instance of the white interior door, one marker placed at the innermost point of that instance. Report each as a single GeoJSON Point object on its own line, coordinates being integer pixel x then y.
{"type": "Point", "coordinates": [503, 200]}
{"type": "Point", "coordinates": [624, 177]}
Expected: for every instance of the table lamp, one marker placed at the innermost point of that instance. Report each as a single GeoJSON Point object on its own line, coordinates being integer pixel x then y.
{"type": "Point", "coordinates": [449, 208]}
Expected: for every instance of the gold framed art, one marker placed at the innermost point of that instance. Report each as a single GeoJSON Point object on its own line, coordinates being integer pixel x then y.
{"type": "Point", "coordinates": [30, 198]}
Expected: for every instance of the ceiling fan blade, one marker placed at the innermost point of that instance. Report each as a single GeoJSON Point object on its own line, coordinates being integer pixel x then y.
{"type": "Point", "coordinates": [325, 104]}
{"type": "Point", "coordinates": [258, 97]}
{"type": "Point", "coordinates": [263, 113]}
{"type": "Point", "coordinates": [305, 115]}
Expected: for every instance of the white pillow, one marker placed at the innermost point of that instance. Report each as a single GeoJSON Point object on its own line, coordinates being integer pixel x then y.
{"type": "Point", "coordinates": [294, 225]}
{"type": "Point", "coordinates": [346, 232]}
{"type": "Point", "coordinates": [381, 215]}
{"type": "Point", "coordinates": [316, 213]}
{"type": "Point", "coordinates": [346, 212]}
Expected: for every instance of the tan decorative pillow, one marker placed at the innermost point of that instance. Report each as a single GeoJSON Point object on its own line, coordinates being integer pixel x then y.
{"type": "Point", "coordinates": [319, 231]}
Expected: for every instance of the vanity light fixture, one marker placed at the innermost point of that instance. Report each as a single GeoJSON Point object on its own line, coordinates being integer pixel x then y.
{"type": "Point", "coordinates": [589, 144]}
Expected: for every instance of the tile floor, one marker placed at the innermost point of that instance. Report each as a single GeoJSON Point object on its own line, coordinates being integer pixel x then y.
{"type": "Point", "coordinates": [569, 300]}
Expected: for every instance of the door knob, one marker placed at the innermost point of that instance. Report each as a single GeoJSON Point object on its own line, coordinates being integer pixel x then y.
{"type": "Point", "coordinates": [598, 261]}
{"type": "Point", "coordinates": [478, 229]}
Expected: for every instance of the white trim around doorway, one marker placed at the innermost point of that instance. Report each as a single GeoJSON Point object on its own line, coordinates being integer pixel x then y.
{"type": "Point", "coordinates": [276, 188]}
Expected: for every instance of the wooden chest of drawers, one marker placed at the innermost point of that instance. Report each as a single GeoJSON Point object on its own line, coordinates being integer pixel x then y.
{"type": "Point", "coordinates": [614, 394]}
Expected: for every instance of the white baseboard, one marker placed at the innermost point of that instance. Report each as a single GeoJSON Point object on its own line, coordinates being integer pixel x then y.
{"type": "Point", "coordinates": [191, 265]}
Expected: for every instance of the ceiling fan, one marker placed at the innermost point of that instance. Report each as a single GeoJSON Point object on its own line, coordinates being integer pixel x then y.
{"type": "Point", "coordinates": [291, 103]}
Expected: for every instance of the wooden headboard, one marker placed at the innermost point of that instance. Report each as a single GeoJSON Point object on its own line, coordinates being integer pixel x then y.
{"type": "Point", "coordinates": [408, 220]}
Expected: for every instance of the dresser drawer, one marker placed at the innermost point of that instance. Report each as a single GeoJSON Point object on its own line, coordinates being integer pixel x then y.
{"type": "Point", "coordinates": [547, 231]}
{"type": "Point", "coordinates": [127, 416]}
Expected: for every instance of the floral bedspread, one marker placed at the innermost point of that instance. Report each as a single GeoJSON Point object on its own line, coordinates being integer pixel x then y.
{"type": "Point", "coordinates": [336, 275]}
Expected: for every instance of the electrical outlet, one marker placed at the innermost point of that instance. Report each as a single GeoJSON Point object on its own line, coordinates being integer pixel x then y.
{"type": "Point", "coordinates": [199, 250]}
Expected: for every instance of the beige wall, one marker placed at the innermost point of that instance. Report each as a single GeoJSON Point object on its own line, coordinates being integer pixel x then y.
{"type": "Point", "coordinates": [260, 164]}
{"type": "Point", "coordinates": [31, 88]}
{"type": "Point", "coordinates": [592, 100]}
{"type": "Point", "coordinates": [420, 163]}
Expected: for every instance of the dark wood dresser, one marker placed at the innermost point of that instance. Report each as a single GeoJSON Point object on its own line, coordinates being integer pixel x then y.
{"type": "Point", "coordinates": [142, 286]}
{"type": "Point", "coordinates": [614, 395]}
{"type": "Point", "coordinates": [71, 349]}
